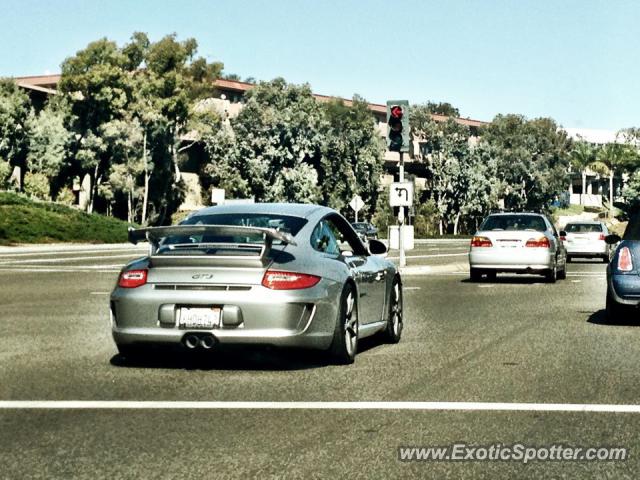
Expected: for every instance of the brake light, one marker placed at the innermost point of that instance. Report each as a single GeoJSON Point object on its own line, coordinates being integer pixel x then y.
{"type": "Point", "coordinates": [481, 242]}
{"type": "Point", "coordinates": [625, 264]}
{"type": "Point", "coordinates": [542, 242]}
{"type": "Point", "coordinates": [276, 280]}
{"type": "Point", "coordinates": [601, 237]}
{"type": "Point", "coordinates": [132, 278]}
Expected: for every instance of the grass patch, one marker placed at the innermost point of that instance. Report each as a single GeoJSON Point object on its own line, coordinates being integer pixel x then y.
{"type": "Point", "coordinates": [569, 211]}
{"type": "Point", "coordinates": [23, 220]}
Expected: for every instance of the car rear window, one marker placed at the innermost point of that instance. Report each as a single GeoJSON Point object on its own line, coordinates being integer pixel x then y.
{"type": "Point", "coordinates": [514, 222]}
{"type": "Point", "coordinates": [283, 223]}
{"type": "Point", "coordinates": [583, 227]}
{"type": "Point", "coordinates": [632, 232]}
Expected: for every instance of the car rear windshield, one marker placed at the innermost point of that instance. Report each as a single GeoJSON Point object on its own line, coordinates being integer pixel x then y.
{"type": "Point", "coordinates": [514, 222]}
{"type": "Point", "coordinates": [283, 223]}
{"type": "Point", "coordinates": [632, 232]}
{"type": "Point", "coordinates": [583, 228]}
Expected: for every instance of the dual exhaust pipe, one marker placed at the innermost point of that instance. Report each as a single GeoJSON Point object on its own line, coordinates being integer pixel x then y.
{"type": "Point", "coordinates": [193, 341]}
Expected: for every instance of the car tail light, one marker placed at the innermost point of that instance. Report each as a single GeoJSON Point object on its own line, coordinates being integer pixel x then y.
{"type": "Point", "coordinates": [625, 264]}
{"type": "Point", "coordinates": [542, 242]}
{"type": "Point", "coordinates": [132, 278]}
{"type": "Point", "coordinates": [276, 280]}
{"type": "Point", "coordinates": [601, 237]}
{"type": "Point", "coordinates": [481, 242]}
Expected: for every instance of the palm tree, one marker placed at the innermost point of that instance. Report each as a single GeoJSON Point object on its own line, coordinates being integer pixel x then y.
{"type": "Point", "coordinates": [612, 158]}
{"type": "Point", "coordinates": [582, 156]}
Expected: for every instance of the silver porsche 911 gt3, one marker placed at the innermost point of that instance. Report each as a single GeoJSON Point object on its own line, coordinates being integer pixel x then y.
{"type": "Point", "coordinates": [272, 274]}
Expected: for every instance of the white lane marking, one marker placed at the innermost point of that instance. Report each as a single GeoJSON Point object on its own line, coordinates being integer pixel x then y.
{"type": "Point", "coordinates": [239, 405]}
{"type": "Point", "coordinates": [486, 286]}
{"type": "Point", "coordinates": [99, 293]}
{"type": "Point", "coordinates": [576, 281]}
{"type": "Point", "coordinates": [411, 288]}
{"type": "Point", "coordinates": [62, 260]}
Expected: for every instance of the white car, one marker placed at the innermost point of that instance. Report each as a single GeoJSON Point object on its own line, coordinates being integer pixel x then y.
{"type": "Point", "coordinates": [517, 243]}
{"type": "Point", "coordinates": [586, 239]}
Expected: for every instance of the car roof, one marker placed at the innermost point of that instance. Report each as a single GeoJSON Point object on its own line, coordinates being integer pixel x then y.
{"type": "Point", "coordinates": [516, 213]}
{"type": "Point", "coordinates": [584, 222]}
{"type": "Point", "coordinates": [303, 210]}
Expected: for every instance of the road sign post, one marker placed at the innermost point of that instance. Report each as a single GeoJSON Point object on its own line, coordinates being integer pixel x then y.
{"type": "Point", "coordinates": [401, 195]}
{"type": "Point", "coordinates": [399, 140]}
{"type": "Point", "coordinates": [356, 205]}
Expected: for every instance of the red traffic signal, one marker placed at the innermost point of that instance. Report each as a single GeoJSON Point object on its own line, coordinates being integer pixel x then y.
{"type": "Point", "coordinates": [396, 112]}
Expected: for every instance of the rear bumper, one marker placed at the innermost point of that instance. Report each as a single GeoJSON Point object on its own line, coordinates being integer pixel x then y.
{"type": "Point", "coordinates": [511, 260]}
{"type": "Point", "coordinates": [587, 248]}
{"type": "Point", "coordinates": [295, 318]}
{"type": "Point", "coordinates": [625, 289]}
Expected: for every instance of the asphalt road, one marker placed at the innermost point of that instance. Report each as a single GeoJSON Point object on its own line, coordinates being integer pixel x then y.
{"type": "Point", "coordinates": [516, 340]}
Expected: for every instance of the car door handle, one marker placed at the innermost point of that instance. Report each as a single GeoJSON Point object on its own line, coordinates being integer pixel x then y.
{"type": "Point", "coordinates": [380, 276]}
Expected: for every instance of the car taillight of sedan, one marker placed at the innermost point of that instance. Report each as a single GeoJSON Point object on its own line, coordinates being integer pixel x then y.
{"type": "Point", "coordinates": [481, 242]}
{"type": "Point", "coordinates": [625, 264]}
{"type": "Point", "coordinates": [276, 280]}
{"type": "Point", "coordinates": [132, 279]}
{"type": "Point", "coordinates": [542, 242]}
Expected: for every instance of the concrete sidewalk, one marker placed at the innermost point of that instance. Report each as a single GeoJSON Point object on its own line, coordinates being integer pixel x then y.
{"type": "Point", "coordinates": [454, 267]}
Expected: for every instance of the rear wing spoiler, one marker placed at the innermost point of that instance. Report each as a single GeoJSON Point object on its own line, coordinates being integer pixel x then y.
{"type": "Point", "coordinates": [155, 234]}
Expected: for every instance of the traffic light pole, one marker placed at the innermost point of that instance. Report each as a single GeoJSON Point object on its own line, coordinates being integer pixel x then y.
{"type": "Point", "coordinates": [403, 260]}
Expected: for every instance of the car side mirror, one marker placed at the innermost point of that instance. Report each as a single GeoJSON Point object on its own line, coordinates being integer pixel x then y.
{"type": "Point", "coordinates": [376, 247]}
{"type": "Point", "coordinates": [563, 233]}
{"type": "Point", "coordinates": [612, 239]}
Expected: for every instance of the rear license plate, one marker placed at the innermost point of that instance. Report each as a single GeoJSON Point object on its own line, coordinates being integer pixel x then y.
{"type": "Point", "coordinates": [199, 318]}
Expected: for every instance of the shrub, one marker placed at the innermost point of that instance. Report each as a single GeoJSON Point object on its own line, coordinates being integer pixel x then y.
{"type": "Point", "coordinates": [37, 185]}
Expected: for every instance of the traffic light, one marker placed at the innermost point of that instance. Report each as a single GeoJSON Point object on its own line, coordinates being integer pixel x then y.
{"type": "Point", "coordinates": [398, 125]}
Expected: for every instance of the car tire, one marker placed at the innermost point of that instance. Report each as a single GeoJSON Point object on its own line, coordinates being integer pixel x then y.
{"type": "Point", "coordinates": [605, 258]}
{"type": "Point", "coordinates": [552, 274]}
{"type": "Point", "coordinates": [393, 331]}
{"type": "Point", "coordinates": [491, 275]}
{"type": "Point", "coordinates": [562, 274]}
{"type": "Point", "coordinates": [344, 345]}
{"type": "Point", "coordinates": [475, 275]}
{"type": "Point", "coordinates": [615, 311]}
{"type": "Point", "coordinates": [568, 259]}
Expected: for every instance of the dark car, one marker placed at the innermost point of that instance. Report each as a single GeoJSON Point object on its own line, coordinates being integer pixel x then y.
{"type": "Point", "coordinates": [623, 272]}
{"type": "Point", "coordinates": [365, 230]}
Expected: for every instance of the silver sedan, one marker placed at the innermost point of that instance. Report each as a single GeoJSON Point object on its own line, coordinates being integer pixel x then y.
{"type": "Point", "coordinates": [517, 243]}
{"type": "Point", "coordinates": [275, 274]}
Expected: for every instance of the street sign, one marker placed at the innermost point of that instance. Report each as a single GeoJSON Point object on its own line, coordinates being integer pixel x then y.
{"type": "Point", "coordinates": [401, 194]}
{"type": "Point", "coordinates": [356, 203]}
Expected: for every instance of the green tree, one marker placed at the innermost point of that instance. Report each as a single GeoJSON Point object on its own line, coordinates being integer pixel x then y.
{"type": "Point", "coordinates": [613, 158]}
{"type": "Point", "coordinates": [461, 183]}
{"type": "Point", "coordinates": [49, 143]}
{"type": "Point", "coordinates": [351, 159]}
{"type": "Point", "coordinates": [286, 146]}
{"type": "Point", "coordinates": [124, 139]}
{"type": "Point", "coordinates": [15, 112]}
{"type": "Point", "coordinates": [532, 159]}
{"type": "Point", "coordinates": [97, 82]}
{"type": "Point", "coordinates": [581, 157]}
{"type": "Point", "coordinates": [278, 130]}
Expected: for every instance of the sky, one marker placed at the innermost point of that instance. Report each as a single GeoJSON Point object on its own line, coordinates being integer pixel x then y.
{"type": "Point", "coordinates": [575, 61]}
